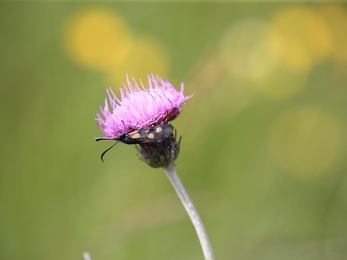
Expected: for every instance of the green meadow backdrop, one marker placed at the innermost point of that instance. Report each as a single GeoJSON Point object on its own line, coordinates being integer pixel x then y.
{"type": "Point", "coordinates": [263, 153]}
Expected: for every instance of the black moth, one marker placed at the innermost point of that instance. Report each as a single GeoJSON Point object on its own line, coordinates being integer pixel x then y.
{"type": "Point", "coordinates": [153, 134]}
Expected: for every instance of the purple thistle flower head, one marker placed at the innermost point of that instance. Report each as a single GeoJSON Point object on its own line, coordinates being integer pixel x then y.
{"type": "Point", "coordinates": [140, 107]}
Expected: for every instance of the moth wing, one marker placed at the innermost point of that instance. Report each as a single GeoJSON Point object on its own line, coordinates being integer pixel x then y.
{"type": "Point", "coordinates": [165, 132]}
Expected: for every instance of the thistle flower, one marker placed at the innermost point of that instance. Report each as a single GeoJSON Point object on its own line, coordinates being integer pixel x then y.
{"type": "Point", "coordinates": [140, 117]}
{"type": "Point", "coordinates": [140, 107]}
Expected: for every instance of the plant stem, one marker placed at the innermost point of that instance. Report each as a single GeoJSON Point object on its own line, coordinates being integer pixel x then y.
{"type": "Point", "coordinates": [192, 212]}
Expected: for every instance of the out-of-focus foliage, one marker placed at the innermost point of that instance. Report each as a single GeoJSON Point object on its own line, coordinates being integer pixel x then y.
{"type": "Point", "coordinates": [264, 139]}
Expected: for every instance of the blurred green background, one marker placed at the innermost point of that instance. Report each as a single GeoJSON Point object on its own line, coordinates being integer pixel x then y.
{"type": "Point", "coordinates": [263, 153]}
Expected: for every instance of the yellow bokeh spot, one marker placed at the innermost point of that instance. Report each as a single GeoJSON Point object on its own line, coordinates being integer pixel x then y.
{"type": "Point", "coordinates": [304, 35]}
{"type": "Point", "coordinates": [249, 48]}
{"type": "Point", "coordinates": [336, 18]}
{"type": "Point", "coordinates": [147, 56]}
{"type": "Point", "coordinates": [306, 141]}
{"type": "Point", "coordinates": [281, 82]}
{"type": "Point", "coordinates": [98, 39]}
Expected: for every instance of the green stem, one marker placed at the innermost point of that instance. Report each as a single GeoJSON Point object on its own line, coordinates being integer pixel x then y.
{"type": "Point", "coordinates": [192, 212]}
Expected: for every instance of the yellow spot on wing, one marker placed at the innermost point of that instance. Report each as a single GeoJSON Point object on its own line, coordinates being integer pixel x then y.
{"type": "Point", "coordinates": [158, 129]}
{"type": "Point", "coordinates": [134, 135]}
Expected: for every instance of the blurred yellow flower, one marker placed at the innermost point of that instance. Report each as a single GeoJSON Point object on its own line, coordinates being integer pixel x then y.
{"type": "Point", "coordinates": [304, 35]}
{"type": "Point", "coordinates": [101, 40]}
{"type": "Point", "coordinates": [336, 18]}
{"type": "Point", "coordinates": [98, 39]}
{"type": "Point", "coordinates": [249, 48]}
{"type": "Point", "coordinates": [281, 82]}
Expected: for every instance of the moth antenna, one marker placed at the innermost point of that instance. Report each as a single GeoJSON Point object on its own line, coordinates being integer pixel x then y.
{"type": "Point", "coordinates": [102, 155]}
{"type": "Point", "coordinates": [103, 138]}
